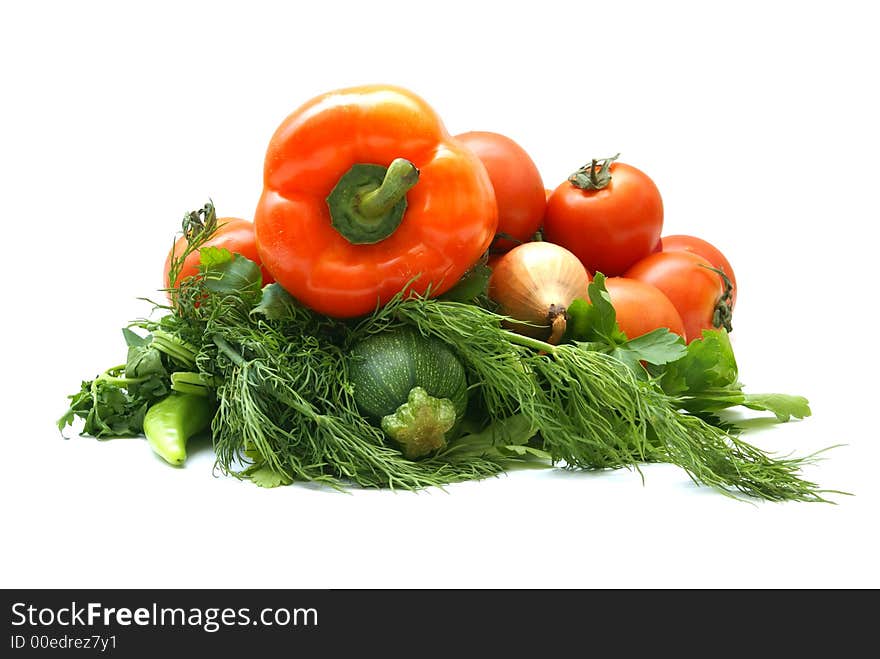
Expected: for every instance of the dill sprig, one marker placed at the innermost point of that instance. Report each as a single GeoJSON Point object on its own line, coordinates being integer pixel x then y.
{"type": "Point", "coordinates": [592, 412]}
{"type": "Point", "coordinates": [285, 404]}
{"type": "Point", "coordinates": [715, 457]}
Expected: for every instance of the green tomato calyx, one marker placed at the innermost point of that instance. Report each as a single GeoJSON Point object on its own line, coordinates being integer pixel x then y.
{"type": "Point", "coordinates": [595, 175]}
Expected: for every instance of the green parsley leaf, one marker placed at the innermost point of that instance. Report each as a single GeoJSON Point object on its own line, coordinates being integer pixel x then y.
{"type": "Point", "coordinates": [134, 340]}
{"type": "Point", "coordinates": [706, 380]}
{"type": "Point", "coordinates": [593, 325]}
{"type": "Point", "coordinates": [709, 363]}
{"type": "Point", "coordinates": [658, 347]}
{"type": "Point", "coordinates": [265, 476]}
{"type": "Point", "coordinates": [784, 406]}
{"type": "Point", "coordinates": [108, 410]}
{"type": "Point", "coordinates": [213, 257]}
{"type": "Point", "coordinates": [229, 273]}
{"type": "Point", "coordinates": [514, 430]}
{"type": "Point", "coordinates": [472, 284]}
{"type": "Point", "coordinates": [601, 319]}
{"type": "Point", "coordinates": [276, 303]}
{"type": "Point", "coordinates": [507, 439]}
{"type": "Point", "coordinates": [143, 361]}
{"type": "Point", "coordinates": [577, 326]}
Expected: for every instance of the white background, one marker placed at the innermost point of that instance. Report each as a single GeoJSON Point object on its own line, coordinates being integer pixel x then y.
{"type": "Point", "coordinates": [757, 121]}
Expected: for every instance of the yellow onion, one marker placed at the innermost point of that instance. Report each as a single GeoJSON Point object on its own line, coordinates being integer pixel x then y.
{"type": "Point", "coordinates": [534, 283]}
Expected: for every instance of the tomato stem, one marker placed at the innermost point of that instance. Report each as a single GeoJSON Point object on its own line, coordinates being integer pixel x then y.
{"type": "Point", "coordinates": [595, 175]}
{"type": "Point", "coordinates": [723, 314]}
{"type": "Point", "coordinates": [368, 202]}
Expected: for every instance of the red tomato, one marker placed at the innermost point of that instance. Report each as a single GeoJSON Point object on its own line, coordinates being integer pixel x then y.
{"type": "Point", "coordinates": [232, 233]}
{"type": "Point", "coordinates": [609, 228]}
{"type": "Point", "coordinates": [700, 247]}
{"type": "Point", "coordinates": [641, 307]}
{"type": "Point", "coordinates": [694, 290]}
{"type": "Point", "coordinates": [519, 190]}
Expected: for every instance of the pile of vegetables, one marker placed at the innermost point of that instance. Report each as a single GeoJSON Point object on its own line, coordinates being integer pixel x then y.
{"type": "Point", "coordinates": [410, 309]}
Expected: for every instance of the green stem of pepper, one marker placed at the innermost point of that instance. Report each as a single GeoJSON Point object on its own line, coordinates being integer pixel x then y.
{"type": "Point", "coordinates": [401, 176]}
{"type": "Point", "coordinates": [368, 202]}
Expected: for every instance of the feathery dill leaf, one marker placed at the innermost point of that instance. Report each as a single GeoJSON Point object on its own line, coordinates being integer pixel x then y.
{"type": "Point", "coordinates": [593, 412]}
{"type": "Point", "coordinates": [286, 404]}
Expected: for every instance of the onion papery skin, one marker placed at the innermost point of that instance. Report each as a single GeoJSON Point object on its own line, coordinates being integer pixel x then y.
{"type": "Point", "coordinates": [534, 283]}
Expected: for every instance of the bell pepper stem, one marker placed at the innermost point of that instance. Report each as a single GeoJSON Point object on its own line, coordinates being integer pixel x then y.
{"type": "Point", "coordinates": [368, 202]}
{"type": "Point", "coordinates": [401, 176]}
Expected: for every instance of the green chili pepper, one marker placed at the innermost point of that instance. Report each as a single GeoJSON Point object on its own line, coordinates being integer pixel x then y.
{"type": "Point", "coordinates": [173, 420]}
